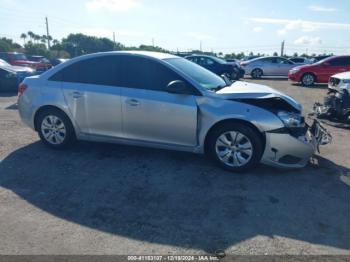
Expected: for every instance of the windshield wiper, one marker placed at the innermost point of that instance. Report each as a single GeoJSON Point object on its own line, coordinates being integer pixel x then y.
{"type": "Point", "coordinates": [215, 89]}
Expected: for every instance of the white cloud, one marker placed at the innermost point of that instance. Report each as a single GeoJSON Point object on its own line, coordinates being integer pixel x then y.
{"type": "Point", "coordinates": [318, 8]}
{"type": "Point", "coordinates": [257, 29]}
{"type": "Point", "coordinates": [111, 5]}
{"type": "Point", "coordinates": [308, 40]}
{"type": "Point", "coordinates": [303, 25]}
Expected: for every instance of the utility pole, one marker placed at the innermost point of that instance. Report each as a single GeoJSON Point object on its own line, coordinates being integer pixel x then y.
{"type": "Point", "coordinates": [282, 48]}
{"type": "Point", "coordinates": [114, 38]}
{"type": "Point", "coordinates": [200, 45]}
{"type": "Point", "coordinates": [153, 42]}
{"type": "Point", "coordinates": [47, 33]}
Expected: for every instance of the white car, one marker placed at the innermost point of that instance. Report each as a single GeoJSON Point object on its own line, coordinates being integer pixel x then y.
{"type": "Point", "coordinates": [340, 82]}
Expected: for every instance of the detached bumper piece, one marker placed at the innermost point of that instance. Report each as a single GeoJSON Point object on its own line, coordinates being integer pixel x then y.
{"type": "Point", "coordinates": [319, 134]}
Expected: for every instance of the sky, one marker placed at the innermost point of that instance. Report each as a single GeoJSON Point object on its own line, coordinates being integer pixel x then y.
{"type": "Point", "coordinates": [312, 26]}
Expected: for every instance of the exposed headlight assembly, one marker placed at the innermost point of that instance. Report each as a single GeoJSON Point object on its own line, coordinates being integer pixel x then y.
{"type": "Point", "coordinates": [291, 120]}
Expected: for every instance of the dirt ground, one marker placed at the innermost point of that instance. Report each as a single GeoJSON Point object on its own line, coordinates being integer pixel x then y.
{"type": "Point", "coordinates": [111, 199]}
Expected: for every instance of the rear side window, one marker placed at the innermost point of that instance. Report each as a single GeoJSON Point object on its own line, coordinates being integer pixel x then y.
{"type": "Point", "coordinates": [340, 61]}
{"type": "Point", "coordinates": [143, 73]}
{"type": "Point", "coordinates": [97, 71]}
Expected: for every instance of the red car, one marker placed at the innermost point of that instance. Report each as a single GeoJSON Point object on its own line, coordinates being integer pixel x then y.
{"type": "Point", "coordinates": [321, 71]}
{"type": "Point", "coordinates": [18, 59]}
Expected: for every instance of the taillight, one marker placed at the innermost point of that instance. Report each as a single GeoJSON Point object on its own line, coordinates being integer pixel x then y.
{"type": "Point", "coordinates": [22, 88]}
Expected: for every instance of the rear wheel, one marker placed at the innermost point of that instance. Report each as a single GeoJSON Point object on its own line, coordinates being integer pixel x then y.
{"type": "Point", "coordinates": [308, 79]}
{"type": "Point", "coordinates": [235, 147]}
{"type": "Point", "coordinates": [257, 73]}
{"type": "Point", "coordinates": [55, 129]}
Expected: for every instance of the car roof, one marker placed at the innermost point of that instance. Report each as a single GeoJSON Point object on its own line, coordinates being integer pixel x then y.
{"type": "Point", "coordinates": [198, 55]}
{"type": "Point", "coordinates": [156, 55]}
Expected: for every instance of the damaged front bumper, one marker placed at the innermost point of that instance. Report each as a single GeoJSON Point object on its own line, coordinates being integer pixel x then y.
{"type": "Point", "coordinates": [293, 149]}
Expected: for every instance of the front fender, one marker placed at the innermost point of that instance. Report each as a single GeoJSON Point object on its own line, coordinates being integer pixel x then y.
{"type": "Point", "coordinates": [212, 111]}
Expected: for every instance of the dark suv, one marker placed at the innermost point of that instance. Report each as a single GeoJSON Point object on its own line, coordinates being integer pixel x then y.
{"type": "Point", "coordinates": [218, 66]}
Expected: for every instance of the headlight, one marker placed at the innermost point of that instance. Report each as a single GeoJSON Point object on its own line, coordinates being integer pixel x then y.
{"type": "Point", "coordinates": [294, 71]}
{"type": "Point", "coordinates": [346, 81]}
{"type": "Point", "coordinates": [291, 119]}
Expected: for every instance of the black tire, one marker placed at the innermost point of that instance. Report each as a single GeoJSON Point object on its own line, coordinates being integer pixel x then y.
{"type": "Point", "coordinates": [257, 73]}
{"type": "Point", "coordinates": [234, 75]}
{"type": "Point", "coordinates": [308, 79]}
{"type": "Point", "coordinates": [69, 137]}
{"type": "Point", "coordinates": [248, 132]}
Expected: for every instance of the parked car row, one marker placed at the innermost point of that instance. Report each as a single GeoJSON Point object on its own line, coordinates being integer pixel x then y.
{"type": "Point", "coordinates": [321, 71]}
{"type": "Point", "coordinates": [219, 66]}
{"type": "Point", "coordinates": [19, 59]}
{"type": "Point", "coordinates": [14, 67]}
{"type": "Point", "coordinates": [11, 76]}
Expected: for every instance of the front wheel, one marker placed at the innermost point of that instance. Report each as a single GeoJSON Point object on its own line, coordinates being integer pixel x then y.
{"type": "Point", "coordinates": [235, 147]}
{"type": "Point", "coordinates": [234, 75]}
{"type": "Point", "coordinates": [308, 79]}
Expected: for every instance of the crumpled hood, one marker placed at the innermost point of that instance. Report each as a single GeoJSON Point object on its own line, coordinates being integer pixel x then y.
{"type": "Point", "coordinates": [345, 75]}
{"type": "Point", "coordinates": [245, 90]}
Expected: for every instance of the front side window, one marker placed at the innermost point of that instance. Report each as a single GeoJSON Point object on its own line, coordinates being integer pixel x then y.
{"type": "Point", "coordinates": [142, 73]}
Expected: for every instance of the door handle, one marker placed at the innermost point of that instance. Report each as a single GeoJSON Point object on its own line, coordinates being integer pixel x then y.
{"type": "Point", "coordinates": [76, 94]}
{"type": "Point", "coordinates": [133, 102]}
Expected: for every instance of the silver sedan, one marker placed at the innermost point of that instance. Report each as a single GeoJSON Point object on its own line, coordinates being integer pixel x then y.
{"type": "Point", "coordinates": [268, 66]}
{"type": "Point", "coordinates": [160, 100]}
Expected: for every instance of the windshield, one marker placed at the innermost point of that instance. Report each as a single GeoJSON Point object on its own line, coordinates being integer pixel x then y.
{"type": "Point", "coordinates": [19, 57]}
{"type": "Point", "coordinates": [202, 76]}
{"type": "Point", "coordinates": [219, 60]}
{"type": "Point", "coordinates": [4, 63]}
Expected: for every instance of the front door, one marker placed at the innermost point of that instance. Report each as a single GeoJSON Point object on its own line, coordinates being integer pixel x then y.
{"type": "Point", "coordinates": [149, 113]}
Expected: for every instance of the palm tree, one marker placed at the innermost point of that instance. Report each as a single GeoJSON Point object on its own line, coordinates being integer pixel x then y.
{"type": "Point", "coordinates": [24, 36]}
{"type": "Point", "coordinates": [37, 37]}
{"type": "Point", "coordinates": [31, 35]}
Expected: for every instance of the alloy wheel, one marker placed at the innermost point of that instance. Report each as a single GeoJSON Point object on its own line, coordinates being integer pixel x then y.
{"type": "Point", "coordinates": [53, 129]}
{"type": "Point", "coordinates": [234, 149]}
{"type": "Point", "coordinates": [308, 79]}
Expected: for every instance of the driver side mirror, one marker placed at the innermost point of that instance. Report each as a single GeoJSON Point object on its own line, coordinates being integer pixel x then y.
{"type": "Point", "coordinates": [176, 87]}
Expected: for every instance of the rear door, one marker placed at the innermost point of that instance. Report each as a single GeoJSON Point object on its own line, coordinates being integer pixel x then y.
{"type": "Point", "coordinates": [150, 113]}
{"type": "Point", "coordinates": [333, 66]}
{"type": "Point", "coordinates": [93, 98]}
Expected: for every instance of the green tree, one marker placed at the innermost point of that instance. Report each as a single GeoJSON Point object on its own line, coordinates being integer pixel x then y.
{"type": "Point", "coordinates": [36, 49]}
{"type": "Point", "coordinates": [24, 36]}
{"type": "Point", "coordinates": [31, 35]}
